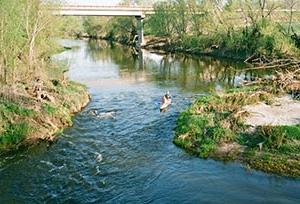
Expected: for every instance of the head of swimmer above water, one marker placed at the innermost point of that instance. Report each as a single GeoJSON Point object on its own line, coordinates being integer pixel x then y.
{"type": "Point", "coordinates": [167, 95]}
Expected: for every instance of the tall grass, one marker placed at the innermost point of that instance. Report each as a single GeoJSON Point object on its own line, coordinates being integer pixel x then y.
{"type": "Point", "coordinates": [213, 120]}
{"type": "Point", "coordinates": [13, 134]}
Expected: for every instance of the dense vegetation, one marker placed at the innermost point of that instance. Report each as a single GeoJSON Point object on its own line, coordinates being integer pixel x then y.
{"type": "Point", "coordinates": [25, 117]}
{"type": "Point", "coordinates": [33, 89]}
{"type": "Point", "coordinates": [238, 29]}
{"type": "Point", "coordinates": [235, 29]}
{"type": "Point", "coordinates": [26, 31]}
{"type": "Point", "coordinates": [214, 127]}
{"type": "Point", "coordinates": [35, 97]}
{"type": "Point", "coordinates": [260, 31]}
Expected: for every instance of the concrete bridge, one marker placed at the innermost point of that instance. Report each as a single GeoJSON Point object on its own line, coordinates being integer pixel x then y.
{"type": "Point", "coordinates": [80, 10]}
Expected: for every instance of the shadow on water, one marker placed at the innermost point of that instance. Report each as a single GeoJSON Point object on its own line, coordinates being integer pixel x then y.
{"type": "Point", "coordinates": [120, 148]}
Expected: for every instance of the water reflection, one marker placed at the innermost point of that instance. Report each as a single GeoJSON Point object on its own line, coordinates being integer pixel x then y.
{"type": "Point", "coordinates": [187, 72]}
{"type": "Point", "coordinates": [120, 148]}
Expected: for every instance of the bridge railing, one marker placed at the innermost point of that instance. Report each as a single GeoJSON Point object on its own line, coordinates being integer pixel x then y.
{"type": "Point", "coordinates": [105, 6]}
{"type": "Point", "coordinates": [90, 7]}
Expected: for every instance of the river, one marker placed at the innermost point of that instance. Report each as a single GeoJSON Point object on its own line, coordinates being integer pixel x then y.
{"type": "Point", "coordinates": [120, 148]}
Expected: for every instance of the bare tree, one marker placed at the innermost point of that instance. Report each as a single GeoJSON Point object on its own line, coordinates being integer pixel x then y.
{"type": "Point", "coordinates": [290, 4]}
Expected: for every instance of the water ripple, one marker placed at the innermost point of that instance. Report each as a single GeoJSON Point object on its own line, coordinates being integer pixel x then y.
{"type": "Point", "coordinates": [131, 158]}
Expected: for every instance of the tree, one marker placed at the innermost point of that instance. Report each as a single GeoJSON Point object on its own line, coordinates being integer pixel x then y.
{"type": "Point", "coordinates": [26, 28]}
{"type": "Point", "coordinates": [291, 4]}
{"type": "Point", "coordinates": [161, 23]}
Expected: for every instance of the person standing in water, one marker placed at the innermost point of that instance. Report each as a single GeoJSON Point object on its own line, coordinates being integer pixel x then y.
{"type": "Point", "coordinates": [165, 101]}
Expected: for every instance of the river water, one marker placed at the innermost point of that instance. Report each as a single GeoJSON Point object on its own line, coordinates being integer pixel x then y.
{"type": "Point", "coordinates": [120, 148]}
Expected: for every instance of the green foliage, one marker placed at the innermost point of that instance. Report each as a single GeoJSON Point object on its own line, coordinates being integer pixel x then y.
{"type": "Point", "coordinates": [160, 23]}
{"type": "Point", "coordinates": [280, 150]}
{"type": "Point", "coordinates": [285, 165]}
{"type": "Point", "coordinates": [48, 108]}
{"type": "Point", "coordinates": [13, 134]}
{"type": "Point", "coordinates": [213, 122]}
{"type": "Point", "coordinates": [272, 136]}
{"type": "Point", "coordinates": [219, 134]}
{"type": "Point", "coordinates": [71, 26]}
{"type": "Point", "coordinates": [94, 26]}
{"type": "Point", "coordinates": [170, 19]}
{"type": "Point", "coordinates": [26, 31]}
{"type": "Point", "coordinates": [282, 139]}
{"type": "Point", "coordinates": [201, 26]}
{"type": "Point", "coordinates": [292, 132]}
{"type": "Point", "coordinates": [202, 127]}
{"type": "Point", "coordinates": [14, 108]}
{"type": "Point", "coordinates": [122, 29]}
{"type": "Point", "coordinates": [289, 148]}
{"type": "Point", "coordinates": [183, 122]}
{"type": "Point", "coordinates": [206, 148]}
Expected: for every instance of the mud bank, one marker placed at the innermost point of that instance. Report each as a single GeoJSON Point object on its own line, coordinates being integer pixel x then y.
{"type": "Point", "coordinates": [31, 113]}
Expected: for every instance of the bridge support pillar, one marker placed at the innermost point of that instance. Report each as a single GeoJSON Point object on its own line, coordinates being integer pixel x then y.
{"type": "Point", "coordinates": [140, 30]}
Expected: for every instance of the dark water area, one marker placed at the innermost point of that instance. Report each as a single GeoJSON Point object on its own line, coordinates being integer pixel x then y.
{"type": "Point", "coordinates": [120, 148]}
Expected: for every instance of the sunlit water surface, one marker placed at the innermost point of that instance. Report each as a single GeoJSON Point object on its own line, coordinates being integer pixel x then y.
{"type": "Point", "coordinates": [124, 153]}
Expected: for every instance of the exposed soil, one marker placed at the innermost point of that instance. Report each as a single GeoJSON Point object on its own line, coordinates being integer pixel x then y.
{"type": "Point", "coordinates": [284, 111]}
{"type": "Point", "coordinates": [51, 107]}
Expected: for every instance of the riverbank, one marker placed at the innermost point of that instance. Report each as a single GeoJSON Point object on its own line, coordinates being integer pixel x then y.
{"type": "Point", "coordinates": [225, 127]}
{"type": "Point", "coordinates": [222, 131]}
{"type": "Point", "coordinates": [166, 45]}
{"type": "Point", "coordinates": [218, 127]}
{"type": "Point", "coordinates": [33, 112]}
{"type": "Point", "coordinates": [205, 46]}
{"type": "Point", "coordinates": [123, 41]}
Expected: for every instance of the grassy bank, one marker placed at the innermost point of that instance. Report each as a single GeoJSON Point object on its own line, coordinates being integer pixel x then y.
{"type": "Point", "coordinates": [213, 127]}
{"type": "Point", "coordinates": [26, 117]}
{"type": "Point", "coordinates": [265, 41]}
{"type": "Point", "coordinates": [261, 34]}
{"type": "Point", "coordinates": [236, 29]}
{"type": "Point", "coordinates": [36, 100]}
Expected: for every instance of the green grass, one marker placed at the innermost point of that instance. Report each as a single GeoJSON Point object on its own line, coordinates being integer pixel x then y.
{"type": "Point", "coordinates": [281, 164]}
{"type": "Point", "coordinates": [14, 129]}
{"type": "Point", "coordinates": [289, 148]}
{"type": "Point", "coordinates": [292, 132]}
{"type": "Point", "coordinates": [272, 137]}
{"type": "Point", "coordinates": [203, 124]}
{"type": "Point", "coordinates": [214, 120]}
{"type": "Point", "coordinates": [13, 134]}
{"type": "Point", "coordinates": [11, 107]}
{"type": "Point", "coordinates": [48, 109]}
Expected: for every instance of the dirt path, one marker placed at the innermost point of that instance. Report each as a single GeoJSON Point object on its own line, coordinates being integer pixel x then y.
{"type": "Point", "coordinates": [284, 111]}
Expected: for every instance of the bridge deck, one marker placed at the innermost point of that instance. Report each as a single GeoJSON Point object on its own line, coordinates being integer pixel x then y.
{"type": "Point", "coordinates": [72, 10]}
